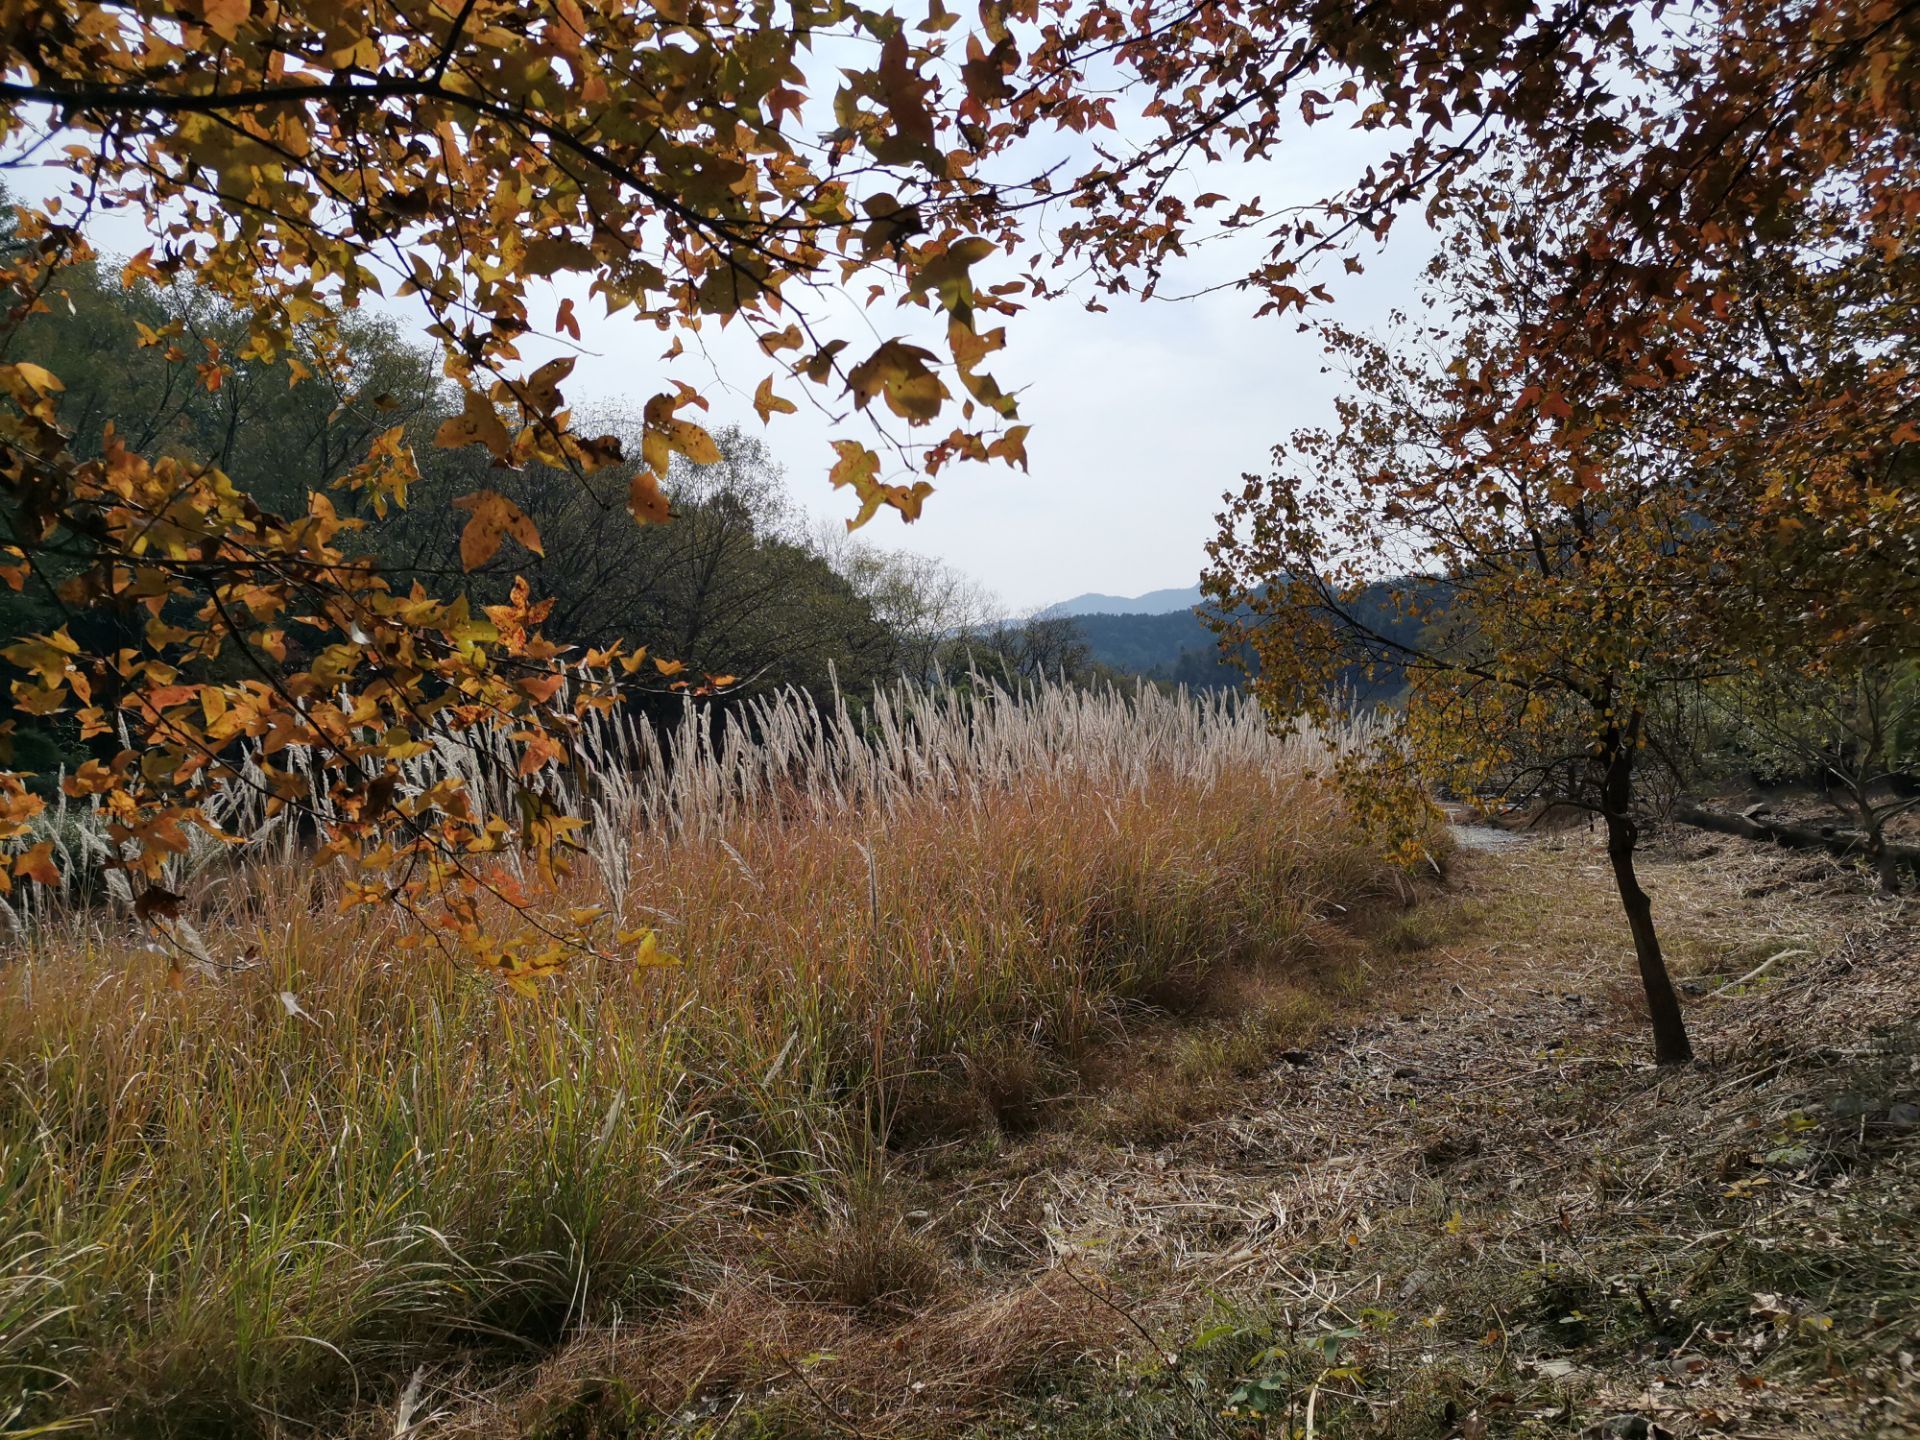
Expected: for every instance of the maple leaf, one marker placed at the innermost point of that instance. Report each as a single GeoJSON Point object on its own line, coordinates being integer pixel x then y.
{"type": "Point", "coordinates": [767, 404]}
{"type": "Point", "coordinates": [155, 904]}
{"type": "Point", "coordinates": [541, 394]}
{"type": "Point", "coordinates": [905, 92]}
{"type": "Point", "coordinates": [477, 424]}
{"type": "Point", "coordinates": [646, 502]}
{"type": "Point", "coordinates": [36, 863]}
{"type": "Point", "coordinates": [493, 518]}
{"type": "Point", "coordinates": [901, 374]}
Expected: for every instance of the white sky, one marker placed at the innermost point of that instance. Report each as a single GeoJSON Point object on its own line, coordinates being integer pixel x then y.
{"type": "Point", "coordinates": [1142, 416]}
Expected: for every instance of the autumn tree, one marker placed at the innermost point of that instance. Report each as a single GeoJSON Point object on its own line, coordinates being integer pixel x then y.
{"type": "Point", "coordinates": [490, 164]}
{"type": "Point", "coordinates": [281, 431]}
{"type": "Point", "coordinates": [1741, 175]}
{"type": "Point", "coordinates": [732, 585]}
{"type": "Point", "coordinates": [1553, 623]}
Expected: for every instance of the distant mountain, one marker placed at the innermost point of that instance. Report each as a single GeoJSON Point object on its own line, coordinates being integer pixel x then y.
{"type": "Point", "coordinates": [1176, 645]}
{"type": "Point", "coordinates": [1154, 602]}
{"type": "Point", "coordinates": [1173, 645]}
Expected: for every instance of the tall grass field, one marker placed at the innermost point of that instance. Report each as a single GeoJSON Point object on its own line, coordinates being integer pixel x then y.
{"type": "Point", "coordinates": [266, 1199]}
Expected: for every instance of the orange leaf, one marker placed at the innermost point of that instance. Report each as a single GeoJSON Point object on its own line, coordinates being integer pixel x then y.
{"type": "Point", "coordinates": [37, 864]}
{"type": "Point", "coordinates": [645, 499]}
{"type": "Point", "coordinates": [494, 517]}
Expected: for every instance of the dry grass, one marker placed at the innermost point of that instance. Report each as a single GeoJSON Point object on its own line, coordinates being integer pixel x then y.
{"type": "Point", "coordinates": [750, 1360]}
{"type": "Point", "coordinates": [263, 1203]}
{"type": "Point", "coordinates": [1484, 1212]}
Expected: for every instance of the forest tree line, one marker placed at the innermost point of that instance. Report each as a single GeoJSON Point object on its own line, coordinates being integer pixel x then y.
{"type": "Point", "coordinates": [741, 583]}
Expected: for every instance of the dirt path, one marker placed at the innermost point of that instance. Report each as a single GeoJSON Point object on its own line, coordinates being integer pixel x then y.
{"type": "Point", "coordinates": [1524, 991]}
{"type": "Point", "coordinates": [1491, 1180]}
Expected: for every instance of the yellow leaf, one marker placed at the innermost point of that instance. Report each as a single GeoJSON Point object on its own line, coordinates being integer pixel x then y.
{"type": "Point", "coordinates": [493, 518]}
{"type": "Point", "coordinates": [769, 404]}
{"type": "Point", "coordinates": [38, 376]}
{"type": "Point", "coordinates": [647, 951]}
{"type": "Point", "coordinates": [691, 441]}
{"type": "Point", "coordinates": [899, 373]}
{"type": "Point", "coordinates": [857, 465]}
{"type": "Point", "coordinates": [478, 424]}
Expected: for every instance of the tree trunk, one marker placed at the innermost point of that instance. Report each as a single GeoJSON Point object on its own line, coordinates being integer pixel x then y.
{"type": "Point", "coordinates": [1670, 1043]}
{"type": "Point", "coordinates": [1886, 865]}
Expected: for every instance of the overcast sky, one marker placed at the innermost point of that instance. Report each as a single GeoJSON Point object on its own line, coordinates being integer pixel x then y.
{"type": "Point", "coordinates": [1142, 416]}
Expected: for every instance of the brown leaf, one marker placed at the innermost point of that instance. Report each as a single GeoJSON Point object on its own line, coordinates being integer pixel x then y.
{"type": "Point", "coordinates": [157, 904]}
{"type": "Point", "coordinates": [904, 91]}
{"type": "Point", "coordinates": [478, 424]}
{"type": "Point", "coordinates": [542, 390]}
{"type": "Point", "coordinates": [493, 518]}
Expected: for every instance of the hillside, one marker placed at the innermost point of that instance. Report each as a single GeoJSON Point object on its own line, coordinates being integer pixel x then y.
{"type": "Point", "coordinates": [1174, 646]}
{"type": "Point", "coordinates": [1177, 646]}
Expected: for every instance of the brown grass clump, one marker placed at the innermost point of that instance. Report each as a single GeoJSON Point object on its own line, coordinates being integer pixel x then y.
{"type": "Point", "coordinates": [753, 1359]}
{"type": "Point", "coordinates": [863, 1253]}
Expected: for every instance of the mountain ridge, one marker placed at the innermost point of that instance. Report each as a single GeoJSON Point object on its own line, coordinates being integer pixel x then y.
{"type": "Point", "coordinates": [1154, 602]}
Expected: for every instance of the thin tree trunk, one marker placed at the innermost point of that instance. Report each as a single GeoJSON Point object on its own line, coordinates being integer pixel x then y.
{"type": "Point", "coordinates": [1670, 1043]}
{"type": "Point", "coordinates": [1886, 865]}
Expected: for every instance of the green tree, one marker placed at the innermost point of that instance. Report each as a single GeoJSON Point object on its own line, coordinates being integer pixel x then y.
{"type": "Point", "coordinates": [924, 602]}
{"type": "Point", "coordinates": [1854, 732]}
{"type": "Point", "coordinates": [732, 586]}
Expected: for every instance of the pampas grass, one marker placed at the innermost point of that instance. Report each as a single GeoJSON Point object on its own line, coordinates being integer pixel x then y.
{"type": "Point", "coordinates": [323, 1163]}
